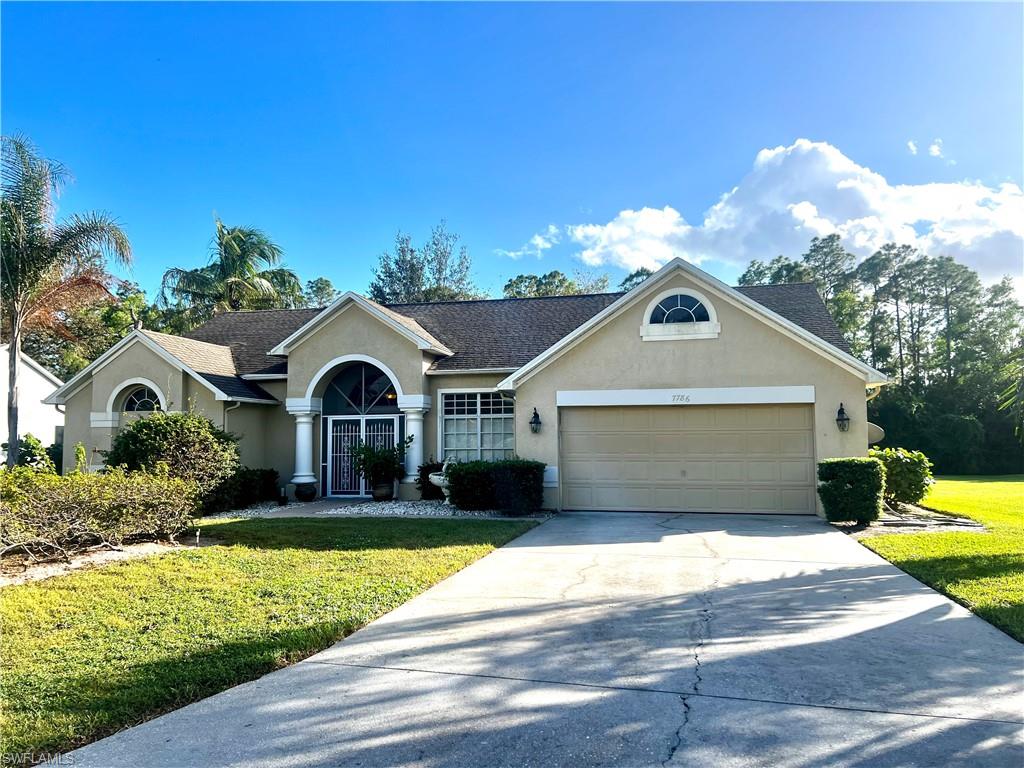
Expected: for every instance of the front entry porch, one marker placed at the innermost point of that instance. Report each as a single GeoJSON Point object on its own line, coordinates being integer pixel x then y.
{"type": "Point", "coordinates": [358, 400]}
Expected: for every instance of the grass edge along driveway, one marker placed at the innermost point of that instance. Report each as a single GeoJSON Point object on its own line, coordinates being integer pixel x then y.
{"type": "Point", "coordinates": [89, 653]}
{"type": "Point", "coordinates": [982, 571]}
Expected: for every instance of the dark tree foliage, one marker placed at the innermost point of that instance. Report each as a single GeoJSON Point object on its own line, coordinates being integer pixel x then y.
{"type": "Point", "coordinates": [439, 270]}
{"type": "Point", "coordinates": [554, 284]}
{"type": "Point", "coordinates": [947, 341]}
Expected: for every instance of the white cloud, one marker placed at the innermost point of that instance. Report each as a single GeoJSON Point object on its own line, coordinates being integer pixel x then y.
{"type": "Point", "coordinates": [935, 148]}
{"type": "Point", "coordinates": [536, 245]}
{"type": "Point", "coordinates": [808, 189]}
{"type": "Point", "coordinates": [912, 146]}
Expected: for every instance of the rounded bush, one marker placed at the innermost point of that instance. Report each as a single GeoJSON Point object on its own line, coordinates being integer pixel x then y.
{"type": "Point", "coordinates": [851, 489]}
{"type": "Point", "coordinates": [908, 474]}
{"type": "Point", "coordinates": [192, 447]}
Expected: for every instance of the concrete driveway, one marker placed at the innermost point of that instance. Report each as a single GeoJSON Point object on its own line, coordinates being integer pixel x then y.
{"type": "Point", "coordinates": [632, 640]}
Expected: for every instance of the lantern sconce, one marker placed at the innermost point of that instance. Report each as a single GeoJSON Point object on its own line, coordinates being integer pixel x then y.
{"type": "Point", "coordinates": [842, 420]}
{"type": "Point", "coordinates": [535, 422]}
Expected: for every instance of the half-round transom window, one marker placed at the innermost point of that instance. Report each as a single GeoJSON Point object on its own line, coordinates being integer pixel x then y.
{"type": "Point", "coordinates": [680, 308]}
{"type": "Point", "coordinates": [141, 399]}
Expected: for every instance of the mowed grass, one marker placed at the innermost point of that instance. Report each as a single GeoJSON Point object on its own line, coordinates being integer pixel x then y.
{"type": "Point", "coordinates": [86, 654]}
{"type": "Point", "coordinates": [983, 571]}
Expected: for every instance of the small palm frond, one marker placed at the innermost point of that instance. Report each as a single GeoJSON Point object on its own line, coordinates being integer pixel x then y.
{"type": "Point", "coordinates": [84, 233]}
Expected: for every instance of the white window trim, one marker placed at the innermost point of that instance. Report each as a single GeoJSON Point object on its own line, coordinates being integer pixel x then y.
{"type": "Point", "coordinates": [680, 331]}
{"type": "Point", "coordinates": [136, 381]}
{"type": "Point", "coordinates": [439, 456]}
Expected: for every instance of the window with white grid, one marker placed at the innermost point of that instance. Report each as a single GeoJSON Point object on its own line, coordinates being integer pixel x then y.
{"type": "Point", "coordinates": [477, 425]}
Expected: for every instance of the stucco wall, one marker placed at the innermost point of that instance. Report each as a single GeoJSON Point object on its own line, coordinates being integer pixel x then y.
{"type": "Point", "coordinates": [747, 353]}
{"type": "Point", "coordinates": [135, 361]}
{"type": "Point", "coordinates": [354, 331]}
{"type": "Point", "coordinates": [76, 429]}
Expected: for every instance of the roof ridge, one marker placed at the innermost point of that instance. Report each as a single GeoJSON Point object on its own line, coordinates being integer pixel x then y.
{"type": "Point", "coordinates": [503, 298]}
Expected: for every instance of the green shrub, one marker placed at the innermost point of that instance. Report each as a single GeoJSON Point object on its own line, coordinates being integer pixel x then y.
{"type": "Point", "coordinates": [471, 485]}
{"type": "Point", "coordinates": [519, 485]}
{"type": "Point", "coordinates": [253, 486]}
{"type": "Point", "coordinates": [50, 515]}
{"type": "Point", "coordinates": [851, 489]}
{"type": "Point", "coordinates": [429, 491]}
{"type": "Point", "coordinates": [32, 453]}
{"type": "Point", "coordinates": [191, 446]}
{"type": "Point", "coordinates": [515, 486]}
{"type": "Point", "coordinates": [908, 474]}
{"type": "Point", "coordinates": [56, 454]}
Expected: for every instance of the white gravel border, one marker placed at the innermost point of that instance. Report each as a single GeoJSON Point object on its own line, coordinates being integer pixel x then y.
{"type": "Point", "coordinates": [392, 508]}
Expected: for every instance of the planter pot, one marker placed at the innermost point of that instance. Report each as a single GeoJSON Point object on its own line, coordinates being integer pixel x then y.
{"type": "Point", "coordinates": [305, 491]}
{"type": "Point", "coordinates": [383, 491]}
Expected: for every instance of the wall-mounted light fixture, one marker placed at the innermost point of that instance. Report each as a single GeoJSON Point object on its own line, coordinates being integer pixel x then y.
{"type": "Point", "coordinates": [842, 420]}
{"type": "Point", "coordinates": [535, 422]}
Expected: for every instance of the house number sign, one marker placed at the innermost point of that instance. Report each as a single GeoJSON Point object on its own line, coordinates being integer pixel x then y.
{"type": "Point", "coordinates": [680, 397]}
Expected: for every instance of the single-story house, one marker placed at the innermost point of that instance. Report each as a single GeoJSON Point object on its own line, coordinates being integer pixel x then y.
{"type": "Point", "coordinates": [683, 394]}
{"type": "Point", "coordinates": [35, 417]}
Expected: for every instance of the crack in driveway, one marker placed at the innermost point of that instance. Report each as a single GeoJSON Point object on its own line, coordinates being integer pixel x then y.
{"type": "Point", "coordinates": [700, 634]}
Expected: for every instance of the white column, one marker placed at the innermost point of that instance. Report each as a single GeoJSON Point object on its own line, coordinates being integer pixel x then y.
{"type": "Point", "coordinates": [414, 453]}
{"type": "Point", "coordinates": [304, 448]}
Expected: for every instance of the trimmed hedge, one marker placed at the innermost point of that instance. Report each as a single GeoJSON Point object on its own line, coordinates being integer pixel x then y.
{"type": "Point", "coordinates": [251, 486]}
{"type": "Point", "coordinates": [49, 515]}
{"type": "Point", "coordinates": [908, 474]}
{"type": "Point", "coordinates": [514, 486]}
{"type": "Point", "coordinates": [192, 447]}
{"type": "Point", "coordinates": [429, 491]}
{"type": "Point", "coordinates": [851, 489]}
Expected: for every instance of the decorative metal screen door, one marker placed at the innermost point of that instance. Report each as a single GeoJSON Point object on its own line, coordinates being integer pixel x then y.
{"type": "Point", "coordinates": [343, 437]}
{"type": "Point", "coordinates": [345, 433]}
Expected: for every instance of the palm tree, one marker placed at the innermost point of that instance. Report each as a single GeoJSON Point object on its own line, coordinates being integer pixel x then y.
{"type": "Point", "coordinates": [47, 268]}
{"type": "Point", "coordinates": [243, 273]}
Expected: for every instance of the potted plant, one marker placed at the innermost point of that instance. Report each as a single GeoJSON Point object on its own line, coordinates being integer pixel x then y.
{"type": "Point", "coordinates": [380, 466]}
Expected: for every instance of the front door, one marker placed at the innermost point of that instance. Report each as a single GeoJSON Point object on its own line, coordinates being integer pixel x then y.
{"type": "Point", "coordinates": [344, 433]}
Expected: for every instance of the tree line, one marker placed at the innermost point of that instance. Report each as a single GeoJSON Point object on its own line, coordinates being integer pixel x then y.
{"type": "Point", "coordinates": [950, 344]}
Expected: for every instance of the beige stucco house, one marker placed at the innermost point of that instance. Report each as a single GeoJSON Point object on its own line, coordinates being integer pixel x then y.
{"type": "Point", "coordinates": [681, 395]}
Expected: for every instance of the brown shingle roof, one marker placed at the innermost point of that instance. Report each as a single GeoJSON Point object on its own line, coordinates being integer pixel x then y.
{"type": "Point", "coordinates": [214, 362]}
{"type": "Point", "coordinates": [489, 333]}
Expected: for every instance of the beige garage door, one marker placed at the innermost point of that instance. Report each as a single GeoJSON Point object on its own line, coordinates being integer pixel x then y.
{"type": "Point", "coordinates": [700, 458]}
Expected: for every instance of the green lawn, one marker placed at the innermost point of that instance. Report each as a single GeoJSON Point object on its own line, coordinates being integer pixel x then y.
{"type": "Point", "coordinates": [983, 571]}
{"type": "Point", "coordinates": [86, 654]}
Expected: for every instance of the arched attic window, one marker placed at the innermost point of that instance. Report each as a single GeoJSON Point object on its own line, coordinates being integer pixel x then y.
{"type": "Point", "coordinates": [141, 400]}
{"type": "Point", "coordinates": [680, 314]}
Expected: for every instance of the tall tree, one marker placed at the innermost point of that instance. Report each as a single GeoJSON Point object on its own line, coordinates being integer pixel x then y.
{"type": "Point", "coordinates": [634, 278]}
{"type": "Point", "coordinates": [46, 267]}
{"type": "Point", "coordinates": [957, 290]}
{"type": "Point", "coordinates": [437, 271]}
{"type": "Point", "coordinates": [830, 265]}
{"type": "Point", "coordinates": [872, 273]}
{"type": "Point", "coordinates": [244, 272]}
{"type": "Point", "coordinates": [319, 293]}
{"type": "Point", "coordinates": [781, 269]}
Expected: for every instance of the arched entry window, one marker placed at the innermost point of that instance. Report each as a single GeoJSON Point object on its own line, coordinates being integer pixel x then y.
{"type": "Point", "coordinates": [360, 404]}
{"type": "Point", "coordinates": [360, 389]}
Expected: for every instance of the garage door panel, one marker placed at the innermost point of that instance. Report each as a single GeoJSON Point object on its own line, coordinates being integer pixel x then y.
{"type": "Point", "coordinates": [688, 458]}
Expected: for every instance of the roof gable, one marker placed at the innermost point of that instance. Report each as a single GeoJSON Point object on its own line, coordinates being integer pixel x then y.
{"type": "Point", "coordinates": [405, 326]}
{"type": "Point", "coordinates": [209, 364]}
{"type": "Point", "coordinates": [718, 289]}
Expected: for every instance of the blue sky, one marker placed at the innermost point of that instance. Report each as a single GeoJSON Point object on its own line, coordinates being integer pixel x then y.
{"type": "Point", "coordinates": [606, 131]}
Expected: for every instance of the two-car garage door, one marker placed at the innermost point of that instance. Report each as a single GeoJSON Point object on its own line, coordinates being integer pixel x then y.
{"type": "Point", "coordinates": [692, 458]}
